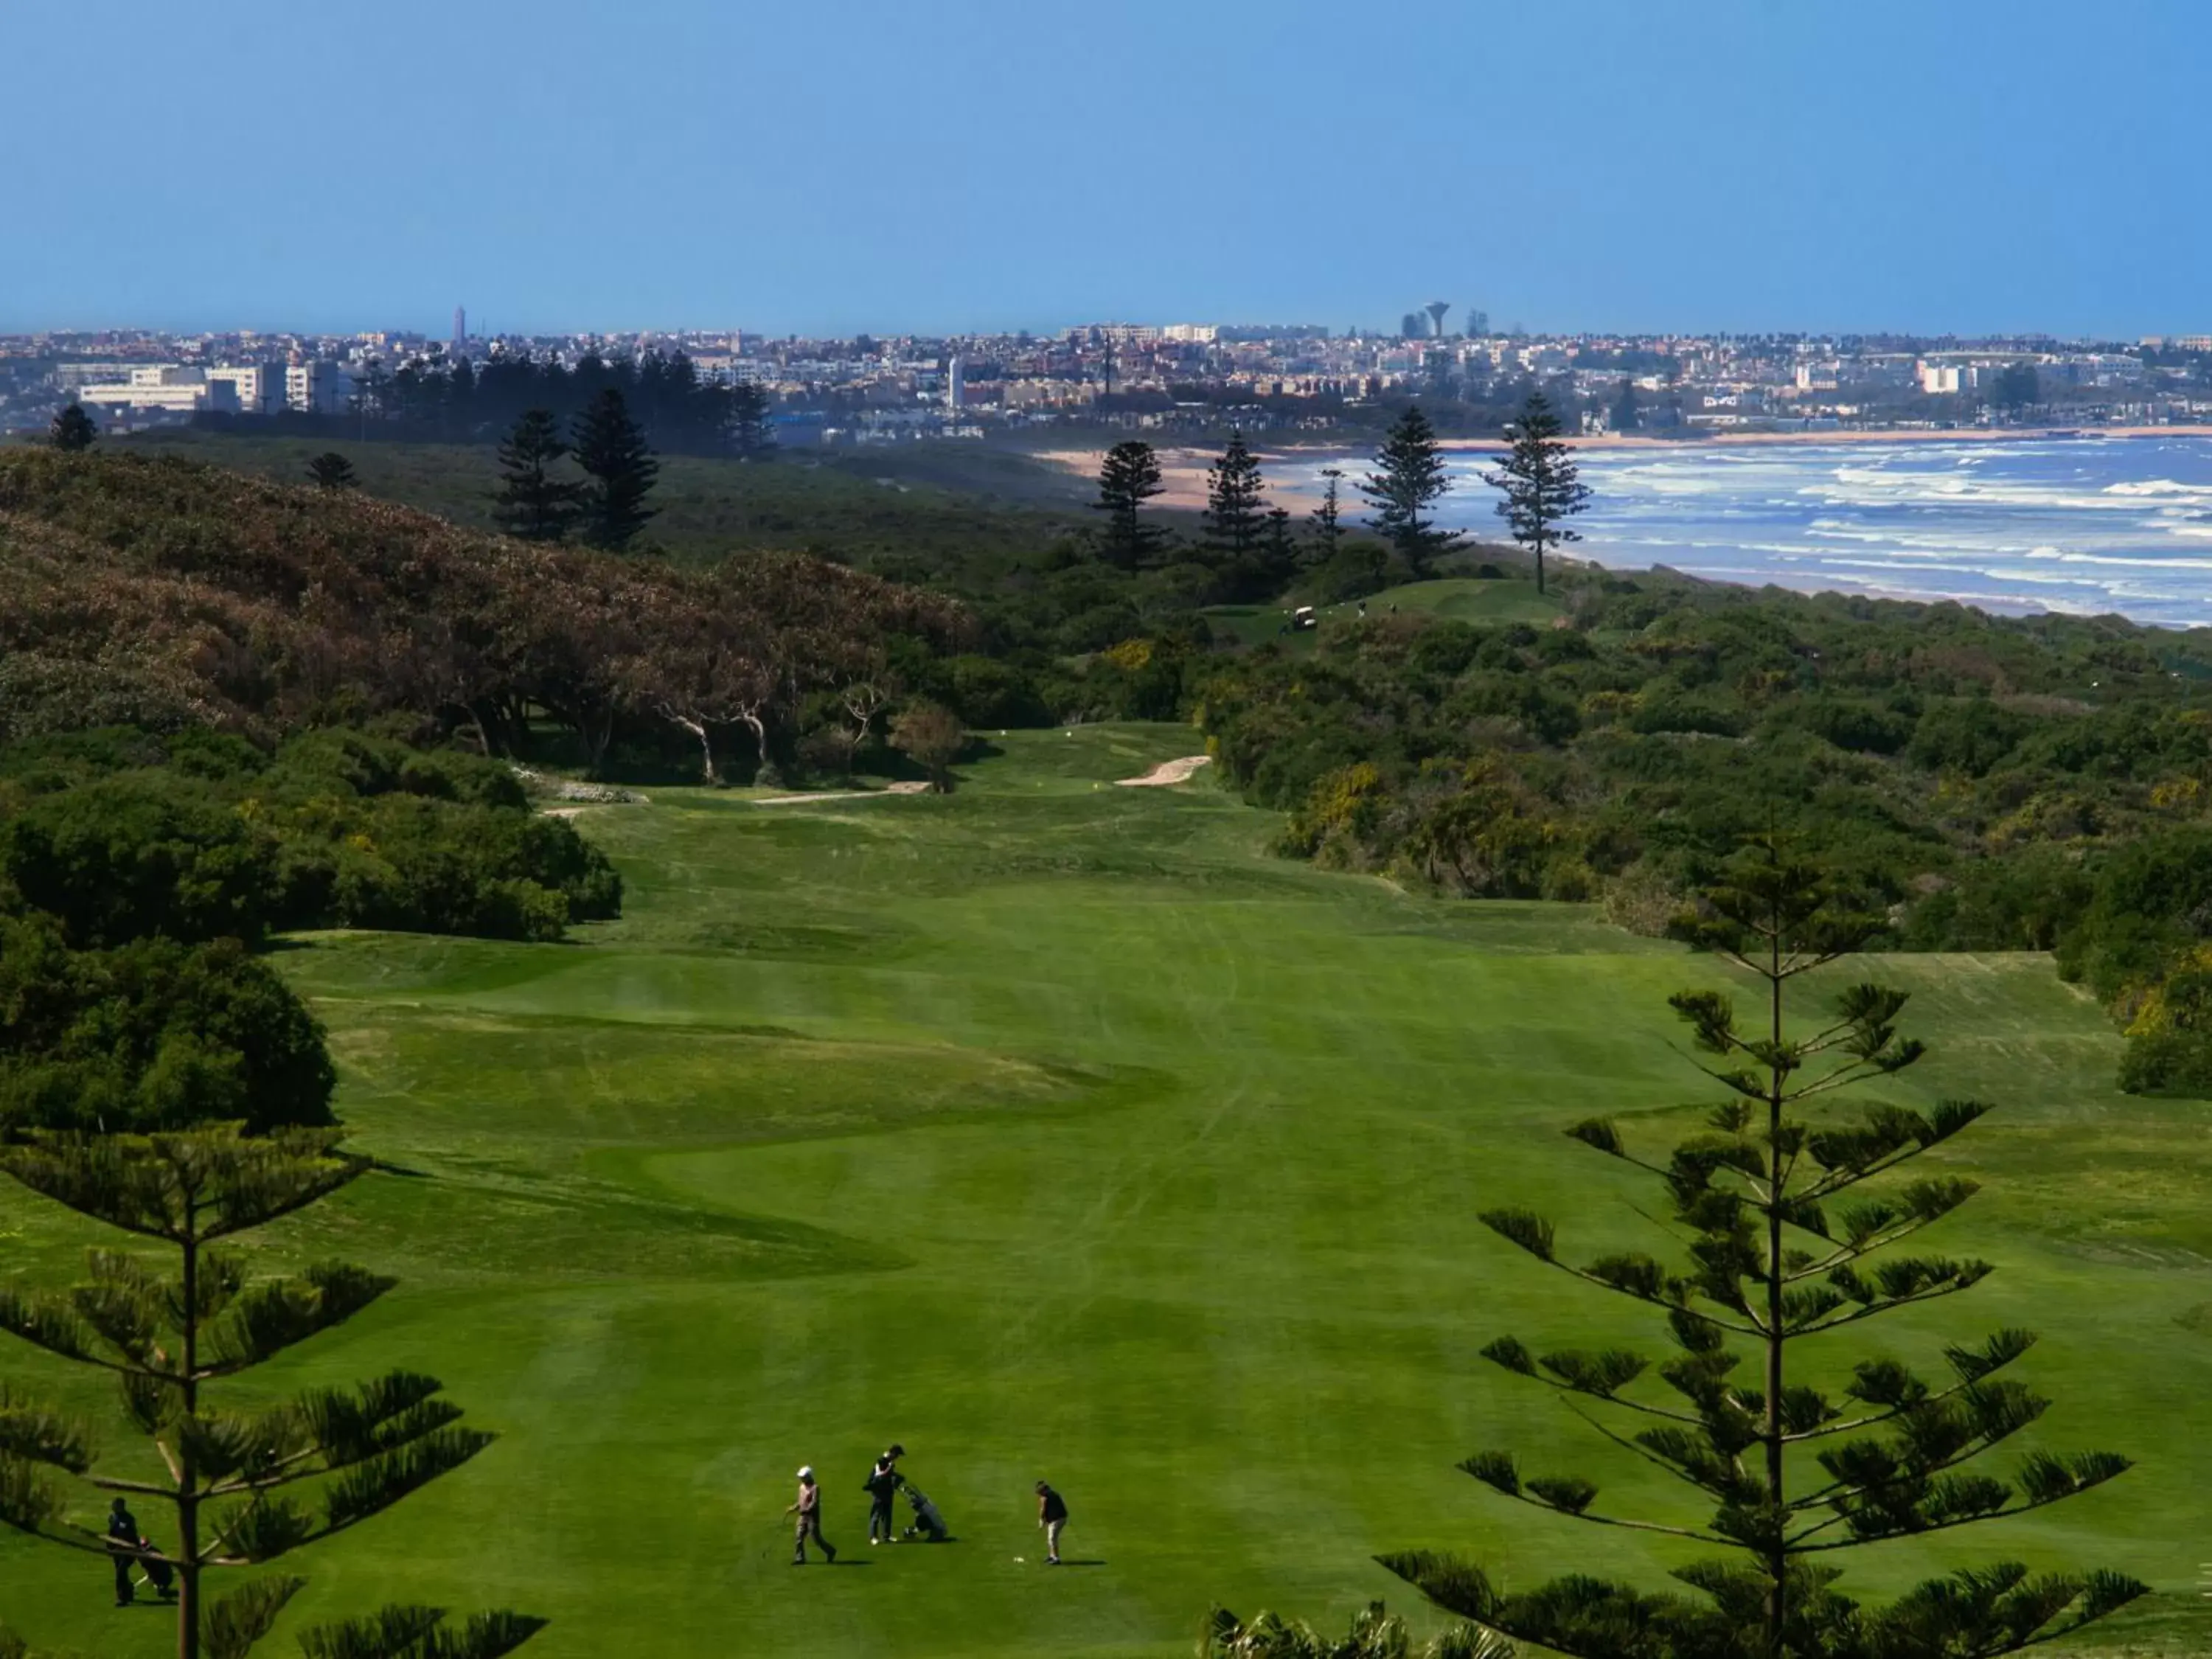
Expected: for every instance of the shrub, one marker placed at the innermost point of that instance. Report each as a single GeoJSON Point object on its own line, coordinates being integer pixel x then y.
{"type": "Point", "coordinates": [144, 853]}
{"type": "Point", "coordinates": [155, 1035]}
{"type": "Point", "coordinates": [1970, 736]}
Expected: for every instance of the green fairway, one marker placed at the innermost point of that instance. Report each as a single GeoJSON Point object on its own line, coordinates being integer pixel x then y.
{"type": "Point", "coordinates": [1055, 1129]}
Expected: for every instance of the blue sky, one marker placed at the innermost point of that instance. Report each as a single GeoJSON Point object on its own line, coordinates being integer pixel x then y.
{"type": "Point", "coordinates": [896, 165]}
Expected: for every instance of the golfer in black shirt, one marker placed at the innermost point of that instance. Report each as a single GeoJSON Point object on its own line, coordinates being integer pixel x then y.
{"type": "Point", "coordinates": [1052, 1516]}
{"type": "Point", "coordinates": [123, 1535]}
{"type": "Point", "coordinates": [883, 1486]}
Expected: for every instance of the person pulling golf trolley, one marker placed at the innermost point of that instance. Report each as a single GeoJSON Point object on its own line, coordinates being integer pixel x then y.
{"type": "Point", "coordinates": [883, 1485]}
{"type": "Point", "coordinates": [928, 1521]}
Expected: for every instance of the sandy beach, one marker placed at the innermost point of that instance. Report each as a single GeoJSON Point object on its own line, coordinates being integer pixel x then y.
{"type": "Point", "coordinates": [1182, 469]}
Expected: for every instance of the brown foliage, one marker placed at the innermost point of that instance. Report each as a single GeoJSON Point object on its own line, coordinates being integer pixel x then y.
{"type": "Point", "coordinates": [931, 736]}
{"type": "Point", "coordinates": [165, 593]}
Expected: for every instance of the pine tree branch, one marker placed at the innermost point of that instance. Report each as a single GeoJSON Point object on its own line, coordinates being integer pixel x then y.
{"type": "Point", "coordinates": [1891, 1306]}
{"type": "Point", "coordinates": [142, 1489]}
{"type": "Point", "coordinates": [1859, 1540]}
{"type": "Point", "coordinates": [1645, 1452]}
{"type": "Point", "coordinates": [1845, 1255]}
{"type": "Point", "coordinates": [1616, 1520]}
{"type": "Point", "coordinates": [1626, 1402]}
{"type": "Point", "coordinates": [91, 1543]}
{"type": "Point", "coordinates": [1660, 1301]}
{"type": "Point", "coordinates": [1829, 1431]}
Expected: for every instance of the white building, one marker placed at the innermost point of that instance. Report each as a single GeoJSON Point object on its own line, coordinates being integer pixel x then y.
{"type": "Point", "coordinates": [1940, 379]}
{"type": "Point", "coordinates": [955, 384]}
{"type": "Point", "coordinates": [167, 387]}
{"type": "Point", "coordinates": [261, 387]}
{"type": "Point", "coordinates": [314, 388]}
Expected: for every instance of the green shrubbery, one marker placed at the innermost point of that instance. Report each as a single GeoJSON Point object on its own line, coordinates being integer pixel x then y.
{"type": "Point", "coordinates": [340, 829]}
{"type": "Point", "coordinates": [152, 1034]}
{"type": "Point", "coordinates": [2043, 784]}
{"type": "Point", "coordinates": [136, 872]}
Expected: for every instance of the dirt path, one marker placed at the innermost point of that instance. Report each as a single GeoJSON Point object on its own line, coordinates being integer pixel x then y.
{"type": "Point", "coordinates": [907, 788]}
{"type": "Point", "coordinates": [1167, 772]}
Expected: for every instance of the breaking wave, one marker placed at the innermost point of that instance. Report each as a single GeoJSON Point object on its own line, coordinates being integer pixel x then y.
{"type": "Point", "coordinates": [2081, 525]}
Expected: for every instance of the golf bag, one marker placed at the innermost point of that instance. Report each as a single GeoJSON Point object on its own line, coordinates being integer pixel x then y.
{"type": "Point", "coordinates": [927, 1522]}
{"type": "Point", "coordinates": [160, 1575]}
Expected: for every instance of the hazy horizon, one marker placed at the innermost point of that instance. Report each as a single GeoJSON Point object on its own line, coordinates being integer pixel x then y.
{"type": "Point", "coordinates": [984, 166]}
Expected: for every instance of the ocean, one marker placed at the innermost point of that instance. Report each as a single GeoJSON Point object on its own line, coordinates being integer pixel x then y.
{"type": "Point", "coordinates": [2085, 525]}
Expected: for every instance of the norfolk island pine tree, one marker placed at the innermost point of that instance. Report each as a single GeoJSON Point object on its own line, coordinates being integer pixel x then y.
{"type": "Point", "coordinates": [531, 504]}
{"type": "Point", "coordinates": [1543, 486]}
{"type": "Point", "coordinates": [611, 446]}
{"type": "Point", "coordinates": [1235, 507]}
{"type": "Point", "coordinates": [236, 1478]}
{"type": "Point", "coordinates": [1128, 476]}
{"type": "Point", "coordinates": [1409, 478]}
{"type": "Point", "coordinates": [1775, 1260]}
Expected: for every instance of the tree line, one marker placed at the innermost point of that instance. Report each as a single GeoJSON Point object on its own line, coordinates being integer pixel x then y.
{"type": "Point", "coordinates": [1255, 551]}
{"type": "Point", "coordinates": [437, 399]}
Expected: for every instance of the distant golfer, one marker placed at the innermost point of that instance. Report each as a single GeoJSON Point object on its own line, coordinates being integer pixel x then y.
{"type": "Point", "coordinates": [808, 1508]}
{"type": "Point", "coordinates": [123, 1543]}
{"type": "Point", "coordinates": [1052, 1516]}
{"type": "Point", "coordinates": [882, 1484]}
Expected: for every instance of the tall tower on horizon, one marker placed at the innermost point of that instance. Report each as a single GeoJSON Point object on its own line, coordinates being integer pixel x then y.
{"type": "Point", "coordinates": [460, 328]}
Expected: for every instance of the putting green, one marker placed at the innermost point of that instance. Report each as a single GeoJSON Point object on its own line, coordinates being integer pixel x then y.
{"type": "Point", "coordinates": [1055, 1129]}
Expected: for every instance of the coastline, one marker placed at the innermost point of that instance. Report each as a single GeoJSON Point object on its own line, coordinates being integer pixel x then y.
{"type": "Point", "coordinates": [1183, 467]}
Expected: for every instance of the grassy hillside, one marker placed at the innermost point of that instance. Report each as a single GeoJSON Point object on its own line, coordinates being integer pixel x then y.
{"type": "Point", "coordinates": [880, 505]}
{"type": "Point", "coordinates": [1054, 1129]}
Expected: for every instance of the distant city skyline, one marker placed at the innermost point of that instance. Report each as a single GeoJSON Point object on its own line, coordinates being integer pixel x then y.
{"type": "Point", "coordinates": [1982, 165]}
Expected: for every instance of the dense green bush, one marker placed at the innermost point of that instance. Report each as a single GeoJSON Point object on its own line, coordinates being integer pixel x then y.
{"type": "Point", "coordinates": [1971, 737]}
{"type": "Point", "coordinates": [2152, 902]}
{"type": "Point", "coordinates": [154, 1035]}
{"type": "Point", "coordinates": [140, 854]}
{"type": "Point", "coordinates": [209, 840]}
{"type": "Point", "coordinates": [2040, 784]}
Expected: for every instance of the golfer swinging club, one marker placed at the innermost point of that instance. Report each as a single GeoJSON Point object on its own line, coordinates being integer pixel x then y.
{"type": "Point", "coordinates": [808, 1508]}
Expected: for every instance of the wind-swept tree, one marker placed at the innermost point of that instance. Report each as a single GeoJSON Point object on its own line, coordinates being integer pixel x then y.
{"type": "Point", "coordinates": [531, 502]}
{"type": "Point", "coordinates": [931, 736]}
{"type": "Point", "coordinates": [249, 1482]}
{"type": "Point", "coordinates": [72, 430]}
{"type": "Point", "coordinates": [1409, 480]}
{"type": "Point", "coordinates": [1543, 486]}
{"type": "Point", "coordinates": [1278, 552]}
{"type": "Point", "coordinates": [1784, 1247]}
{"type": "Point", "coordinates": [1235, 507]}
{"type": "Point", "coordinates": [1327, 524]}
{"type": "Point", "coordinates": [750, 435]}
{"type": "Point", "coordinates": [332, 470]}
{"type": "Point", "coordinates": [1628, 414]}
{"type": "Point", "coordinates": [1127, 478]}
{"type": "Point", "coordinates": [611, 446]}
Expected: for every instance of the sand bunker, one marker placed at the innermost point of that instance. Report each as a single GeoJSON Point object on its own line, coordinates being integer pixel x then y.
{"type": "Point", "coordinates": [1167, 772]}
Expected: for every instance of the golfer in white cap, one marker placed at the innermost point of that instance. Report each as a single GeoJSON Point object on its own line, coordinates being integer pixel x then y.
{"type": "Point", "coordinates": [808, 1508]}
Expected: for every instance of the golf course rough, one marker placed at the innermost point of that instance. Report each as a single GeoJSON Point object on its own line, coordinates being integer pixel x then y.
{"type": "Point", "coordinates": [1059, 1132]}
